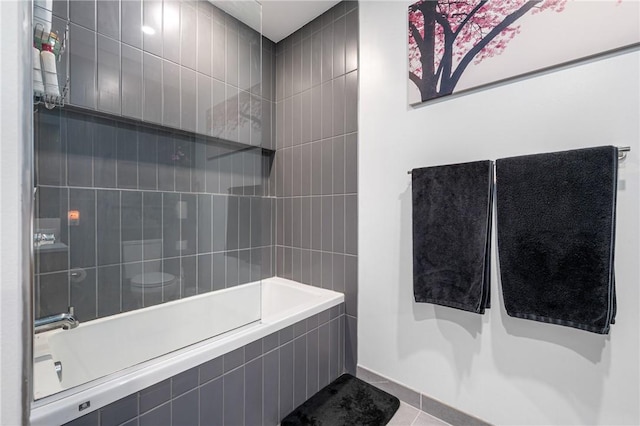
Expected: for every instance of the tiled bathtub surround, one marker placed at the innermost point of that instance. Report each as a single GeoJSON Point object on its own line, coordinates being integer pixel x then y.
{"type": "Point", "coordinates": [200, 70]}
{"type": "Point", "coordinates": [316, 158]}
{"type": "Point", "coordinates": [257, 384]}
{"type": "Point", "coordinates": [148, 201]}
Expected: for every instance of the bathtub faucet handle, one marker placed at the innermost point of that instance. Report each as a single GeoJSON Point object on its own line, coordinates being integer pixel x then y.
{"type": "Point", "coordinates": [65, 321]}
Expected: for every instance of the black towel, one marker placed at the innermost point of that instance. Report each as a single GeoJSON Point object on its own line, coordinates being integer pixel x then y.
{"type": "Point", "coordinates": [451, 234]}
{"type": "Point", "coordinates": [556, 228]}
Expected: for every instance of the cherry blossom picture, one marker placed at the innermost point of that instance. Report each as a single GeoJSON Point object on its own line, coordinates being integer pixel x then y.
{"type": "Point", "coordinates": [456, 45]}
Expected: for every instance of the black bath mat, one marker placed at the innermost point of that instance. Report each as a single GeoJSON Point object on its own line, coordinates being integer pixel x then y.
{"type": "Point", "coordinates": [346, 401]}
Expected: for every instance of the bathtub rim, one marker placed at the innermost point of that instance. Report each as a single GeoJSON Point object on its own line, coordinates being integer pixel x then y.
{"type": "Point", "coordinates": [63, 406]}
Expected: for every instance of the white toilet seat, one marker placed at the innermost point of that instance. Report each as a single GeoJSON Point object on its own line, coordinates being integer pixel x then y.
{"type": "Point", "coordinates": [152, 280]}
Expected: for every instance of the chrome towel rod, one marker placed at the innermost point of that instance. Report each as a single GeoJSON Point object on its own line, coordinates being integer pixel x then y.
{"type": "Point", "coordinates": [622, 154]}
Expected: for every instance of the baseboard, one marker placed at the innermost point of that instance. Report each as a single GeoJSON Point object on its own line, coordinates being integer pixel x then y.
{"type": "Point", "coordinates": [419, 400]}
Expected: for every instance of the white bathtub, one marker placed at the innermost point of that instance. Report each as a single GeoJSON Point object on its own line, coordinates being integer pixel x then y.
{"type": "Point", "coordinates": [107, 359]}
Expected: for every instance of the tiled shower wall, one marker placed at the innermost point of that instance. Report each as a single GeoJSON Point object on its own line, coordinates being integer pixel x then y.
{"type": "Point", "coordinates": [163, 144]}
{"type": "Point", "coordinates": [258, 384]}
{"type": "Point", "coordinates": [316, 187]}
{"type": "Point", "coordinates": [316, 158]}
{"type": "Point", "coordinates": [200, 71]}
{"type": "Point", "coordinates": [199, 205]}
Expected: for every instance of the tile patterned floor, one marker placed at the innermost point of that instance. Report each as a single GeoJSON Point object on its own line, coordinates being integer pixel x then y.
{"type": "Point", "coordinates": [408, 415]}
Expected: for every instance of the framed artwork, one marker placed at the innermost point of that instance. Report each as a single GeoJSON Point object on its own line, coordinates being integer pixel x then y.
{"type": "Point", "coordinates": [459, 45]}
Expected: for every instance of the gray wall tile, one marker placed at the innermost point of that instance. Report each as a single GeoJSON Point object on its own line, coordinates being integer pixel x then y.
{"type": "Point", "coordinates": [120, 411]}
{"type": "Point", "coordinates": [327, 223]}
{"type": "Point", "coordinates": [288, 72]}
{"type": "Point", "coordinates": [286, 379]}
{"type": "Point", "coordinates": [205, 107]}
{"type": "Point", "coordinates": [334, 349]}
{"type": "Point", "coordinates": [316, 58]}
{"type": "Point", "coordinates": [300, 371]}
{"type": "Point", "coordinates": [189, 99]}
{"type": "Point", "coordinates": [188, 35]}
{"type": "Point", "coordinates": [316, 113]}
{"type": "Point", "coordinates": [82, 66]}
{"type": "Point", "coordinates": [313, 350]}
{"type": "Point", "coordinates": [306, 63]}
{"type": "Point", "coordinates": [351, 285]}
{"type": "Point", "coordinates": [91, 419]}
{"type": "Point", "coordinates": [231, 258]}
{"type": "Point", "coordinates": [338, 223]}
{"type": "Point", "coordinates": [108, 227]}
{"type": "Point", "coordinates": [233, 359]}
{"type": "Point", "coordinates": [60, 8]}
{"type": "Point", "coordinates": [351, 224]}
{"type": "Point", "coordinates": [108, 74]}
{"type": "Point", "coordinates": [211, 403]}
{"type": "Point", "coordinates": [53, 293]}
{"type": "Point", "coordinates": [244, 58]}
{"type": "Point", "coordinates": [327, 52]}
{"type": "Point", "coordinates": [338, 106]}
{"type": "Point", "coordinates": [339, 165]}
{"type": "Point", "coordinates": [338, 272]}
{"type": "Point", "coordinates": [83, 12]}
{"type": "Point", "coordinates": [183, 162]}
{"type": "Point", "coordinates": [50, 148]}
{"type": "Point", "coordinates": [327, 109]}
{"type": "Point", "coordinates": [205, 223]}
{"type": "Point", "coordinates": [232, 53]}
{"type": "Point", "coordinates": [232, 113]}
{"type": "Point", "coordinates": [156, 416]}
{"type": "Point", "coordinates": [184, 382]}
{"type": "Point", "coordinates": [204, 38]}
{"type": "Point", "coordinates": [339, 35]}
{"type": "Point", "coordinates": [351, 163]}
{"type": "Point", "coordinates": [296, 136]}
{"type": "Point", "coordinates": [170, 94]}
{"type": "Point", "coordinates": [166, 162]}
{"type": "Point", "coordinates": [351, 102]}
{"type": "Point", "coordinates": [296, 68]}
{"type": "Point", "coordinates": [351, 345]}
{"type": "Point", "coordinates": [288, 122]}
{"type": "Point", "coordinates": [279, 68]}
{"type": "Point", "coordinates": [351, 42]}
{"type": "Point", "coordinates": [184, 409]}
{"type": "Point", "coordinates": [82, 251]}
{"type": "Point", "coordinates": [211, 369]}
{"type": "Point", "coordinates": [152, 86]}
{"type": "Point", "coordinates": [147, 159]}
{"type": "Point", "coordinates": [152, 18]}
{"type": "Point", "coordinates": [253, 392]}
{"type": "Point", "coordinates": [155, 395]}
{"type": "Point", "coordinates": [108, 290]}
{"type": "Point", "coordinates": [131, 81]}
{"type": "Point", "coordinates": [104, 152]}
{"type": "Point", "coordinates": [79, 141]}
{"type": "Point", "coordinates": [234, 397]}
{"type": "Point", "coordinates": [219, 66]}
{"type": "Point", "coordinates": [188, 223]}
{"type": "Point", "coordinates": [131, 21]}
{"type": "Point", "coordinates": [268, 74]}
{"type": "Point", "coordinates": [108, 16]}
{"type": "Point", "coordinates": [271, 388]}
{"type": "Point", "coordinates": [171, 30]}
{"type": "Point", "coordinates": [324, 353]}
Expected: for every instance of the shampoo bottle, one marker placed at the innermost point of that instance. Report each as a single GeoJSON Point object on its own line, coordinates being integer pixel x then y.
{"type": "Point", "coordinates": [38, 86]}
{"type": "Point", "coordinates": [50, 73]}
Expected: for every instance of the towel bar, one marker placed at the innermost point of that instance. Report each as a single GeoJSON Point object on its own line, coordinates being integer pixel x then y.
{"type": "Point", "coordinates": [622, 154]}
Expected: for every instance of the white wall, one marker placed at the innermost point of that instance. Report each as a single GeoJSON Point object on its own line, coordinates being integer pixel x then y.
{"type": "Point", "coordinates": [14, 30]}
{"type": "Point", "coordinates": [501, 369]}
